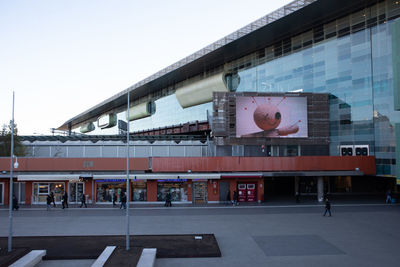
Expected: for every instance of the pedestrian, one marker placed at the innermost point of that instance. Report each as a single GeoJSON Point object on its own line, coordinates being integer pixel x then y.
{"type": "Point", "coordinates": [228, 198]}
{"type": "Point", "coordinates": [65, 200]}
{"type": "Point", "coordinates": [123, 200]}
{"type": "Point", "coordinates": [48, 201]}
{"type": "Point", "coordinates": [53, 200]}
{"type": "Point", "coordinates": [388, 197]}
{"type": "Point", "coordinates": [83, 200]}
{"type": "Point", "coordinates": [235, 198]}
{"type": "Point", "coordinates": [168, 202]}
{"type": "Point", "coordinates": [114, 198]}
{"type": "Point", "coordinates": [327, 207]}
{"type": "Point", "coordinates": [15, 203]}
{"type": "Point", "coordinates": [297, 197]}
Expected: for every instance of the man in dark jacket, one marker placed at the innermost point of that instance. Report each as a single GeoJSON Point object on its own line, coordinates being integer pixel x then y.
{"type": "Point", "coordinates": [53, 200]}
{"type": "Point", "coordinates": [168, 198]}
{"type": "Point", "coordinates": [48, 201]}
{"type": "Point", "coordinates": [83, 200]}
{"type": "Point", "coordinates": [327, 207]}
{"type": "Point", "coordinates": [65, 200]}
{"type": "Point", "coordinates": [123, 200]}
{"type": "Point", "coordinates": [235, 198]}
{"type": "Point", "coordinates": [15, 203]}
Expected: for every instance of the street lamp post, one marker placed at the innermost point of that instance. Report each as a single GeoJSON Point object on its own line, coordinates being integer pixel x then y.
{"type": "Point", "coordinates": [11, 180]}
{"type": "Point", "coordinates": [127, 176]}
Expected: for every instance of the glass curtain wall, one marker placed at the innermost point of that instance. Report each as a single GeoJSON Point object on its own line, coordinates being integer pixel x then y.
{"type": "Point", "coordinates": [356, 69]}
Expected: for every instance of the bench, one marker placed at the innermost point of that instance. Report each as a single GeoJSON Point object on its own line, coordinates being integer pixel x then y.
{"type": "Point", "coordinates": [30, 259]}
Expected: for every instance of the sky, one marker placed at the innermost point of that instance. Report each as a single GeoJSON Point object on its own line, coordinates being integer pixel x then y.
{"type": "Point", "coordinates": [62, 57]}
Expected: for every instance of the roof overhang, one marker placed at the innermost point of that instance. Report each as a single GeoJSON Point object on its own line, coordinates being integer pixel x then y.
{"type": "Point", "coordinates": [289, 25]}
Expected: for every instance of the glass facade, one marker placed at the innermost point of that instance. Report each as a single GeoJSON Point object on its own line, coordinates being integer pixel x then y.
{"type": "Point", "coordinates": [178, 190]}
{"type": "Point", "coordinates": [350, 58]}
{"type": "Point", "coordinates": [41, 190]}
{"type": "Point", "coordinates": [110, 191]}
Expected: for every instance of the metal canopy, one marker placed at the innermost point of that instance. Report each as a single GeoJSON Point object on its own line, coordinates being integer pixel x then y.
{"type": "Point", "coordinates": [296, 17]}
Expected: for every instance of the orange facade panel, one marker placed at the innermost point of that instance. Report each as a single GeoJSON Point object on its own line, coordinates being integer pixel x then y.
{"type": "Point", "coordinates": [267, 164]}
{"type": "Point", "coordinates": [76, 164]}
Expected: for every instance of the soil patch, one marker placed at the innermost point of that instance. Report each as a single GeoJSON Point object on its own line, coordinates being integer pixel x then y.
{"type": "Point", "coordinates": [7, 258]}
{"type": "Point", "coordinates": [90, 247]}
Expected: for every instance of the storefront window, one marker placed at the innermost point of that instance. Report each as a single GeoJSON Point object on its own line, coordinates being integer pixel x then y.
{"type": "Point", "coordinates": [139, 191]}
{"type": "Point", "coordinates": [109, 190]}
{"type": "Point", "coordinates": [178, 190]}
{"type": "Point", "coordinates": [41, 190]}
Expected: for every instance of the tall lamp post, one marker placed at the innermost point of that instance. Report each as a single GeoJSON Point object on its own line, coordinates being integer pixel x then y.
{"type": "Point", "coordinates": [10, 204]}
{"type": "Point", "coordinates": [127, 175]}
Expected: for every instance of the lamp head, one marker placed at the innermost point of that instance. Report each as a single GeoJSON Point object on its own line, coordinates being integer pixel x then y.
{"type": "Point", "coordinates": [16, 163]}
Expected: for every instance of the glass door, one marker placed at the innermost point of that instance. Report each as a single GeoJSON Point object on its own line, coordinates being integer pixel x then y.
{"type": "Point", "coordinates": [200, 192]}
{"type": "Point", "coordinates": [75, 192]}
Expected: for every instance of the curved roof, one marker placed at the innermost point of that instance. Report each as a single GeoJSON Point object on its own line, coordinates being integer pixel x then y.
{"type": "Point", "coordinates": [291, 19]}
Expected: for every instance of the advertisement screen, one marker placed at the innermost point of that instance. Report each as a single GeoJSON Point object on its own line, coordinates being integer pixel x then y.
{"type": "Point", "coordinates": [267, 116]}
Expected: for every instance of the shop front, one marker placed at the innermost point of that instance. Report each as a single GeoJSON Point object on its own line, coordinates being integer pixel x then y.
{"type": "Point", "coordinates": [178, 188]}
{"type": "Point", "coordinates": [110, 187]}
{"type": "Point", "coordinates": [200, 194]}
{"type": "Point", "coordinates": [42, 189]}
{"type": "Point", "coordinates": [75, 191]}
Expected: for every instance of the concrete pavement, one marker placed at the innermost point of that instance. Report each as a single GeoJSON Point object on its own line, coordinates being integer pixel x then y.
{"type": "Point", "coordinates": [358, 234]}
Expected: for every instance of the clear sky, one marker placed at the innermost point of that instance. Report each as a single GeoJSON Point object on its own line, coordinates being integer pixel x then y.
{"type": "Point", "coordinates": [62, 57]}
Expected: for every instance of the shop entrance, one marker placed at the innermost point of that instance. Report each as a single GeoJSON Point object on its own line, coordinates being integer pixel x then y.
{"type": "Point", "coordinates": [199, 192]}
{"type": "Point", "coordinates": [75, 192]}
{"type": "Point", "coordinates": [19, 191]}
{"type": "Point", "coordinates": [1, 193]}
{"type": "Point", "coordinates": [278, 187]}
{"type": "Point", "coordinates": [223, 191]}
{"type": "Point", "coordinates": [247, 192]}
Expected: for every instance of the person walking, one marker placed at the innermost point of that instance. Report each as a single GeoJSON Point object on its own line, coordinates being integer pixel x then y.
{"type": "Point", "coordinates": [83, 201]}
{"type": "Point", "coordinates": [114, 198]}
{"type": "Point", "coordinates": [168, 202]}
{"type": "Point", "coordinates": [65, 200]}
{"type": "Point", "coordinates": [235, 198]}
{"type": "Point", "coordinates": [15, 203]}
{"type": "Point", "coordinates": [53, 199]}
{"type": "Point", "coordinates": [123, 200]}
{"type": "Point", "coordinates": [327, 207]}
{"type": "Point", "coordinates": [48, 201]}
{"type": "Point", "coordinates": [388, 197]}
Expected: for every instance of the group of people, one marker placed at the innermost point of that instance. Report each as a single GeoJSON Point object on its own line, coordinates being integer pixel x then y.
{"type": "Point", "coordinates": [50, 199]}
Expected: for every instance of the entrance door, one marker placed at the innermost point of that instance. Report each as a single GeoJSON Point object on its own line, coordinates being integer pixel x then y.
{"type": "Point", "coordinates": [223, 191]}
{"type": "Point", "coordinates": [242, 192]}
{"type": "Point", "coordinates": [251, 193]}
{"type": "Point", "coordinates": [75, 192]}
{"type": "Point", "coordinates": [1, 193]}
{"type": "Point", "coordinates": [200, 192]}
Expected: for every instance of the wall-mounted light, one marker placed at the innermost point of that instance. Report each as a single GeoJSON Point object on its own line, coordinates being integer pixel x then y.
{"type": "Point", "coordinates": [16, 163]}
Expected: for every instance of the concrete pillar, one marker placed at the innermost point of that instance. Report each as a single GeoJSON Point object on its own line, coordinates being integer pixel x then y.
{"type": "Point", "coordinates": [296, 184]}
{"type": "Point", "coordinates": [320, 189]}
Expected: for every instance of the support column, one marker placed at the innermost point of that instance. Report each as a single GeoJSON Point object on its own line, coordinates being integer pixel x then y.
{"type": "Point", "coordinates": [296, 185]}
{"type": "Point", "coordinates": [320, 188]}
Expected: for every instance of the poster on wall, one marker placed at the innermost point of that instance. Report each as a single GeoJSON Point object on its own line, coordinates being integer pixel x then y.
{"type": "Point", "coordinates": [274, 117]}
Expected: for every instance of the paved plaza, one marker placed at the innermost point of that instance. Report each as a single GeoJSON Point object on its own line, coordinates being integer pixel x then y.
{"type": "Point", "coordinates": [363, 234]}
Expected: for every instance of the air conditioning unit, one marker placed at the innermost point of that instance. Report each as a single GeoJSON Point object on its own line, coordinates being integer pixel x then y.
{"type": "Point", "coordinates": [361, 150]}
{"type": "Point", "coordinates": [347, 150]}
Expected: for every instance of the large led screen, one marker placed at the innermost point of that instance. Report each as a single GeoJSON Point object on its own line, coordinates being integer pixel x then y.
{"type": "Point", "coordinates": [269, 116]}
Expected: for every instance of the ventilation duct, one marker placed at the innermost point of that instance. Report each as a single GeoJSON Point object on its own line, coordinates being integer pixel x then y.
{"type": "Point", "coordinates": [140, 111]}
{"type": "Point", "coordinates": [88, 127]}
{"type": "Point", "coordinates": [201, 92]}
{"type": "Point", "coordinates": [107, 121]}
